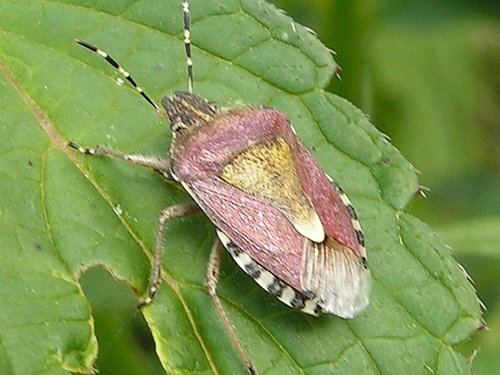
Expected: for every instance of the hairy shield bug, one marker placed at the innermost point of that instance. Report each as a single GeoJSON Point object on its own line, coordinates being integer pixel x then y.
{"type": "Point", "coordinates": [283, 220]}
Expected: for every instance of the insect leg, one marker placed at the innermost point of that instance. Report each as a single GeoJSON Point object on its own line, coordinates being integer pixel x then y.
{"type": "Point", "coordinates": [160, 164]}
{"type": "Point", "coordinates": [212, 279]}
{"type": "Point", "coordinates": [171, 212]}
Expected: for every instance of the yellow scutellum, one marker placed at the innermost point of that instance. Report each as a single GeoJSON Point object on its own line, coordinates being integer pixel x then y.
{"type": "Point", "coordinates": [267, 170]}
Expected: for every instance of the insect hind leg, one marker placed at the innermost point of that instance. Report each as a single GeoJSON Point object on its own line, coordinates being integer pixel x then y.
{"type": "Point", "coordinates": [211, 282]}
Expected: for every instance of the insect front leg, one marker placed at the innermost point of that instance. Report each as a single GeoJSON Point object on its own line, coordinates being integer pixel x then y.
{"type": "Point", "coordinates": [162, 165]}
{"type": "Point", "coordinates": [211, 281]}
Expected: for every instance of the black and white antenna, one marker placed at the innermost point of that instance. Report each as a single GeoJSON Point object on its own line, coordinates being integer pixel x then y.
{"type": "Point", "coordinates": [128, 77]}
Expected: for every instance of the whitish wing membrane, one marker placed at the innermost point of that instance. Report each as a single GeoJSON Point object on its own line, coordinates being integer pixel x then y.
{"type": "Point", "coordinates": [338, 277]}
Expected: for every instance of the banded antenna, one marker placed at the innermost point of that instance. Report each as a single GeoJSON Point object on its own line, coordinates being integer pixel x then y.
{"type": "Point", "coordinates": [128, 77]}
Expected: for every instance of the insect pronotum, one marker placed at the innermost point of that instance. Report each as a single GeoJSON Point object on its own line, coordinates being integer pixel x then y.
{"type": "Point", "coordinates": [283, 220]}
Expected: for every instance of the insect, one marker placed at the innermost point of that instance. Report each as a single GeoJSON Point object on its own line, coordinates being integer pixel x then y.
{"type": "Point", "coordinates": [283, 220]}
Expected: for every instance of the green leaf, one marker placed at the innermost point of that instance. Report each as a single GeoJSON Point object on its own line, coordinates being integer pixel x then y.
{"type": "Point", "coordinates": [62, 213]}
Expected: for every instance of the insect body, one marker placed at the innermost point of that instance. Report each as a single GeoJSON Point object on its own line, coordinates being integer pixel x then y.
{"type": "Point", "coordinates": [282, 219]}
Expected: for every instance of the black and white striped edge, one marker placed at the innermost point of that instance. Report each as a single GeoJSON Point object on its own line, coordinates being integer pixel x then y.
{"type": "Point", "coordinates": [270, 283]}
{"type": "Point", "coordinates": [354, 218]}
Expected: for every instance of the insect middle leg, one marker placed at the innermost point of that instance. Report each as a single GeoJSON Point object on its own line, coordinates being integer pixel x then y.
{"type": "Point", "coordinates": [171, 212]}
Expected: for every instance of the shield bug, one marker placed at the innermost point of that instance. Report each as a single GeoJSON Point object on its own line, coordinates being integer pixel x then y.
{"type": "Point", "coordinates": [283, 220]}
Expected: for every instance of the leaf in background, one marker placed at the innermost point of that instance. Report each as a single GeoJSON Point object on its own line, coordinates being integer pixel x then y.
{"type": "Point", "coordinates": [476, 242]}
{"type": "Point", "coordinates": [62, 213]}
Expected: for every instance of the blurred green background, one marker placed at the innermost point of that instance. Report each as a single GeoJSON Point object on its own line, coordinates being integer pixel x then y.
{"type": "Point", "coordinates": [428, 75]}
